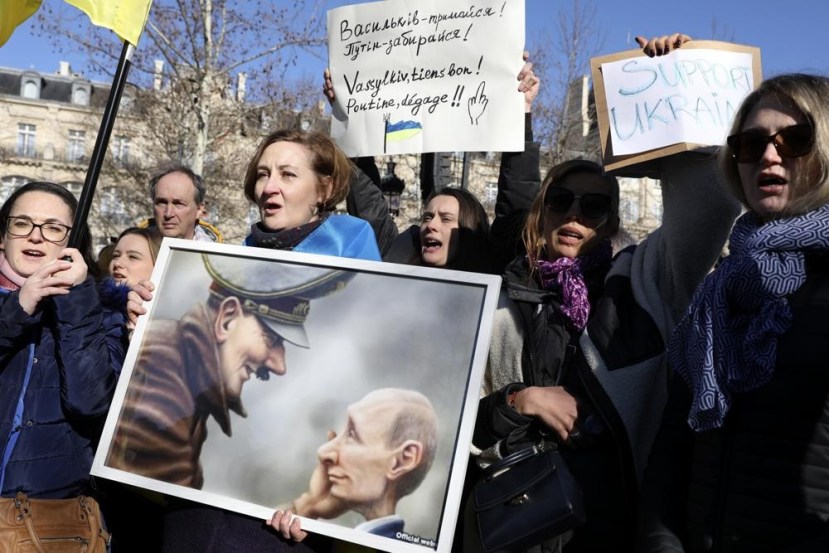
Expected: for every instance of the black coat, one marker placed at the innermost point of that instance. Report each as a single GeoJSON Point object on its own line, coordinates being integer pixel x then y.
{"type": "Point", "coordinates": [761, 482]}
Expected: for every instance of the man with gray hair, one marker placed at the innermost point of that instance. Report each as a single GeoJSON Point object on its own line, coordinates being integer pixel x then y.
{"type": "Point", "coordinates": [177, 193]}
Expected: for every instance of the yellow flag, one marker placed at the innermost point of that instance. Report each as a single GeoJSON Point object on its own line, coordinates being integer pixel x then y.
{"type": "Point", "coordinates": [126, 17]}
{"type": "Point", "coordinates": [13, 13]}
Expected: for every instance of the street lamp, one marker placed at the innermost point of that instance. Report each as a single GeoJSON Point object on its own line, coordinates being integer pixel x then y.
{"type": "Point", "coordinates": [392, 186]}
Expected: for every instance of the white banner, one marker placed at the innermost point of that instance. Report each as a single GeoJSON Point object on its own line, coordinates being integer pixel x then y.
{"type": "Point", "coordinates": [687, 96]}
{"type": "Point", "coordinates": [427, 76]}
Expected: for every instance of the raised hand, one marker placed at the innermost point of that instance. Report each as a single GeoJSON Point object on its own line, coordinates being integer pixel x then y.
{"type": "Point", "coordinates": [53, 279]}
{"type": "Point", "coordinates": [659, 46]}
{"type": "Point", "coordinates": [141, 292]}
{"type": "Point", "coordinates": [318, 502]}
{"type": "Point", "coordinates": [328, 85]}
{"type": "Point", "coordinates": [529, 83]}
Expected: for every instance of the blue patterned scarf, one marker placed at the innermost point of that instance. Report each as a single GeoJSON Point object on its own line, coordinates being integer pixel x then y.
{"type": "Point", "coordinates": [727, 341]}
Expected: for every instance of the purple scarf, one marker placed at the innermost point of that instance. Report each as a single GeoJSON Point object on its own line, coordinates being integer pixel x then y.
{"type": "Point", "coordinates": [567, 274]}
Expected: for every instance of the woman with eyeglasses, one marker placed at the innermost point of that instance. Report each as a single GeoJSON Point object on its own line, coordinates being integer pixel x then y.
{"type": "Point", "coordinates": [577, 357]}
{"type": "Point", "coordinates": [61, 349]}
{"type": "Point", "coordinates": [744, 445]}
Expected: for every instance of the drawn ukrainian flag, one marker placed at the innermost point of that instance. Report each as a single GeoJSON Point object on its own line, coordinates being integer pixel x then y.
{"type": "Point", "coordinates": [395, 132]}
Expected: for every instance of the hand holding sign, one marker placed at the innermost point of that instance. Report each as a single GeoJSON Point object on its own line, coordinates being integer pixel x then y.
{"type": "Point", "coordinates": [477, 104]}
{"type": "Point", "coordinates": [659, 46]}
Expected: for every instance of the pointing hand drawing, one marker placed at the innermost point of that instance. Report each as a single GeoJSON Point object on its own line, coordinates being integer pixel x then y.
{"type": "Point", "coordinates": [477, 104]}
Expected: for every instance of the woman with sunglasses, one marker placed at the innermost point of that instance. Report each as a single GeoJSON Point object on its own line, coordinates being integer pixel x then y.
{"type": "Point", "coordinates": [577, 357]}
{"type": "Point", "coordinates": [745, 441]}
{"type": "Point", "coordinates": [60, 349]}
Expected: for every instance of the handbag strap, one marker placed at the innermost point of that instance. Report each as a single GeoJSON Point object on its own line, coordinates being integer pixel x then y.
{"type": "Point", "coordinates": [509, 460]}
{"type": "Point", "coordinates": [21, 501]}
{"type": "Point", "coordinates": [96, 528]}
{"type": "Point", "coordinates": [96, 525]}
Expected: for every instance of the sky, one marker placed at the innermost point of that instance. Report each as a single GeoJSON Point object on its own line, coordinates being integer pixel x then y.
{"type": "Point", "coordinates": [787, 33]}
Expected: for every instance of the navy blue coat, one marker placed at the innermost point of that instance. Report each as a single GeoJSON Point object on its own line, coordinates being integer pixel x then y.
{"type": "Point", "coordinates": [58, 370]}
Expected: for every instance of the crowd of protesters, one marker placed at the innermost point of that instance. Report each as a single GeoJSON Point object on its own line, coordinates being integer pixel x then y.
{"type": "Point", "coordinates": [690, 402]}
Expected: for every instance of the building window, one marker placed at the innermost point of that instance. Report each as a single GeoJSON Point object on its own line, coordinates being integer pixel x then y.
{"type": "Point", "coordinates": [30, 82]}
{"type": "Point", "coordinates": [30, 90]}
{"type": "Point", "coordinates": [25, 140]}
{"type": "Point", "coordinates": [76, 147]}
{"type": "Point", "coordinates": [9, 185]}
{"type": "Point", "coordinates": [121, 150]}
{"type": "Point", "coordinates": [112, 206]}
{"type": "Point", "coordinates": [80, 96]}
{"type": "Point", "coordinates": [75, 188]}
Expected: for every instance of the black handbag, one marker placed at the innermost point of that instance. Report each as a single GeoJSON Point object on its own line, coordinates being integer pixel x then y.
{"type": "Point", "coordinates": [525, 499]}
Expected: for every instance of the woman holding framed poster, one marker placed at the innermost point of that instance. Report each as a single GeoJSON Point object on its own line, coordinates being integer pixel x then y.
{"type": "Point", "coordinates": [295, 178]}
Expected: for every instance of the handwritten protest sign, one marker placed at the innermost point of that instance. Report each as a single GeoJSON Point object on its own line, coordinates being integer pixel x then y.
{"type": "Point", "coordinates": [652, 107]}
{"type": "Point", "coordinates": [430, 76]}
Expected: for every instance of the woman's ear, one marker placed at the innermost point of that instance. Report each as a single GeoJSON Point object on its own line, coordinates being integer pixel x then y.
{"type": "Point", "coordinates": [226, 316]}
{"type": "Point", "coordinates": [324, 190]}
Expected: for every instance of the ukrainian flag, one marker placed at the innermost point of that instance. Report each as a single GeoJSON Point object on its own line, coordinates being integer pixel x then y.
{"type": "Point", "coordinates": [13, 13]}
{"type": "Point", "coordinates": [395, 132]}
{"type": "Point", "coordinates": [125, 17]}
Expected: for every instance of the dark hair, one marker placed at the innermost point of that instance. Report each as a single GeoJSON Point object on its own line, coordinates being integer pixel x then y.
{"type": "Point", "coordinates": [197, 180]}
{"type": "Point", "coordinates": [533, 234]}
{"type": "Point", "coordinates": [327, 160]}
{"type": "Point", "coordinates": [807, 94]}
{"type": "Point", "coordinates": [150, 234]}
{"type": "Point", "coordinates": [85, 247]}
{"type": "Point", "coordinates": [474, 251]}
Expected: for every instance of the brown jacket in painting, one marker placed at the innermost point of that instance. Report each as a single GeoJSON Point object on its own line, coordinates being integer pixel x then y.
{"type": "Point", "coordinates": [175, 386]}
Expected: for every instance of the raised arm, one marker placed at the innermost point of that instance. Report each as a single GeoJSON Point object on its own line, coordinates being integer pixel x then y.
{"type": "Point", "coordinates": [365, 199]}
{"type": "Point", "coordinates": [519, 180]}
{"type": "Point", "coordinates": [698, 213]}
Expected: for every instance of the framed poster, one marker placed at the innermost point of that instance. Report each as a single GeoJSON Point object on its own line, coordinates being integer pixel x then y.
{"type": "Point", "coordinates": [343, 389]}
{"type": "Point", "coordinates": [648, 108]}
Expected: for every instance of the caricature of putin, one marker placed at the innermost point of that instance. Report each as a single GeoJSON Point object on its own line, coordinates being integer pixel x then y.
{"type": "Point", "coordinates": [381, 455]}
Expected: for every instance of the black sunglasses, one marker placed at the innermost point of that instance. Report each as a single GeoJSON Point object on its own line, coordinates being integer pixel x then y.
{"type": "Point", "coordinates": [592, 205]}
{"type": "Point", "coordinates": [749, 146]}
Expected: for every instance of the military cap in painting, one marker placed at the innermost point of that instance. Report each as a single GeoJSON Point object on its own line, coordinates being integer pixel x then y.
{"type": "Point", "coordinates": [279, 294]}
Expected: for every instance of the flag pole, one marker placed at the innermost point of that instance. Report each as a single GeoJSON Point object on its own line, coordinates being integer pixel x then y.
{"type": "Point", "coordinates": [101, 142]}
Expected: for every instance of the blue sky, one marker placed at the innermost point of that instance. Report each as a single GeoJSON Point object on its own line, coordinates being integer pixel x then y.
{"type": "Point", "coordinates": [788, 33]}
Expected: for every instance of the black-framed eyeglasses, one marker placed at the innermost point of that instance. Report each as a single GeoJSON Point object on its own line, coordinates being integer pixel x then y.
{"type": "Point", "coordinates": [22, 227]}
{"type": "Point", "coordinates": [592, 205]}
{"type": "Point", "coordinates": [791, 142]}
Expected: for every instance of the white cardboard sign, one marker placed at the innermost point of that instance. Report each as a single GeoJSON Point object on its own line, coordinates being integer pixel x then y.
{"type": "Point", "coordinates": [427, 76]}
